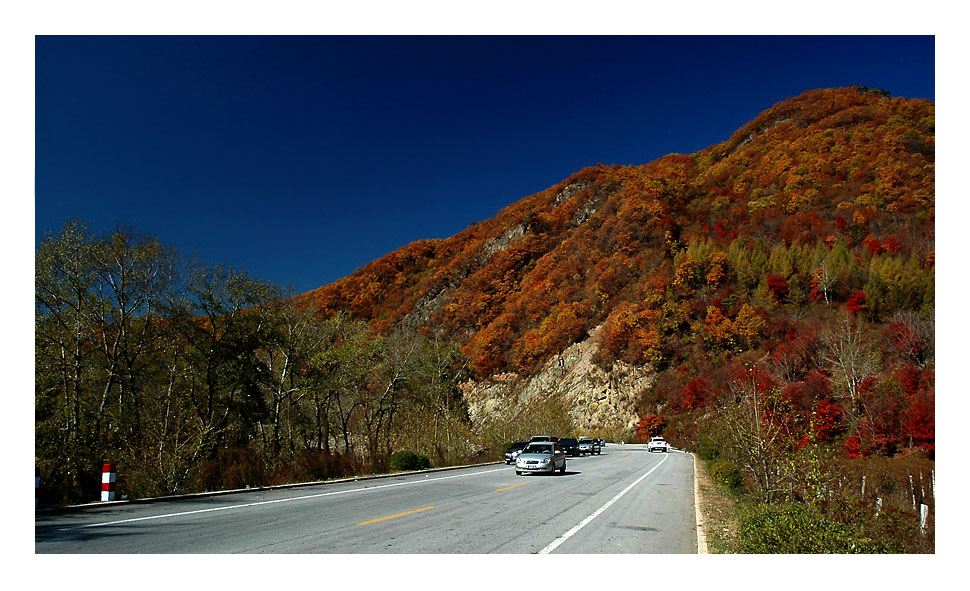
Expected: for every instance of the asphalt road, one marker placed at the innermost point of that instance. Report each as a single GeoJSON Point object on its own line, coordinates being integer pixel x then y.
{"type": "Point", "coordinates": [625, 500]}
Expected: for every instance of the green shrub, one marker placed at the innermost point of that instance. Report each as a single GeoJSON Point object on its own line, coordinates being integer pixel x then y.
{"type": "Point", "coordinates": [726, 473]}
{"type": "Point", "coordinates": [409, 460]}
{"type": "Point", "coordinates": [707, 450]}
{"type": "Point", "coordinates": [797, 529]}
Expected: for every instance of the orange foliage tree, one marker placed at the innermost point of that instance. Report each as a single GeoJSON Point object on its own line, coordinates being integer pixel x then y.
{"type": "Point", "coordinates": [650, 425]}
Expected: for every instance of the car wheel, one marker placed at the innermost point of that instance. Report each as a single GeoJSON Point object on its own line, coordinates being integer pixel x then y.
{"type": "Point", "coordinates": [563, 469]}
{"type": "Point", "coordinates": [518, 472]}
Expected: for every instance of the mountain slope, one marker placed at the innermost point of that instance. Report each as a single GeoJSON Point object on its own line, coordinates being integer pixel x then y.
{"type": "Point", "coordinates": [838, 166]}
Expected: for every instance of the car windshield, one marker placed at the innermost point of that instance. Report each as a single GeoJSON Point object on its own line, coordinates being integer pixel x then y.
{"type": "Point", "coordinates": [538, 449]}
{"type": "Point", "coordinates": [567, 442]}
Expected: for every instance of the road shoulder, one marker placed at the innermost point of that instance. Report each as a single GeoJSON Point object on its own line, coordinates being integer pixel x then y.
{"type": "Point", "coordinates": [699, 511]}
{"type": "Point", "coordinates": [717, 523]}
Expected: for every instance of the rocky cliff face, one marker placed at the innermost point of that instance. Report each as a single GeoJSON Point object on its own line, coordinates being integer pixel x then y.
{"type": "Point", "coordinates": [597, 401]}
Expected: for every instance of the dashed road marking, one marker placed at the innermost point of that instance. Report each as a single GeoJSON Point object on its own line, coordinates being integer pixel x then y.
{"type": "Point", "coordinates": [396, 515]}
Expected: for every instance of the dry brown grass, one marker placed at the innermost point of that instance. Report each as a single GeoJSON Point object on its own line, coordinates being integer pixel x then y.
{"type": "Point", "coordinates": [717, 512]}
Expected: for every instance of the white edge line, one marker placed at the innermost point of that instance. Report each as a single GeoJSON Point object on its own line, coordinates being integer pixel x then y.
{"type": "Point", "coordinates": [304, 497]}
{"type": "Point", "coordinates": [555, 544]}
{"type": "Point", "coordinates": [698, 514]}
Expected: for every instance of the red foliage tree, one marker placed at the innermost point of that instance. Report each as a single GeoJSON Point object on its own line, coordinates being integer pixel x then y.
{"type": "Point", "coordinates": [892, 245]}
{"type": "Point", "coordinates": [827, 420]}
{"type": "Point", "coordinates": [793, 356]}
{"type": "Point", "coordinates": [920, 421]}
{"type": "Point", "coordinates": [918, 412]}
{"type": "Point", "coordinates": [747, 380]}
{"type": "Point", "coordinates": [856, 302]}
{"type": "Point", "coordinates": [841, 224]}
{"type": "Point", "coordinates": [697, 393]}
{"type": "Point", "coordinates": [650, 425]}
{"type": "Point", "coordinates": [872, 245]}
{"type": "Point", "coordinates": [778, 287]}
{"type": "Point", "coordinates": [723, 232]}
{"type": "Point", "coordinates": [854, 448]}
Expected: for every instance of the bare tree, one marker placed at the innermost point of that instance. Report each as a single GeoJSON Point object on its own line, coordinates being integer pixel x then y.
{"type": "Point", "coordinates": [915, 337]}
{"type": "Point", "coordinates": [824, 280]}
{"type": "Point", "coordinates": [756, 435]}
{"type": "Point", "coordinates": [851, 359]}
{"type": "Point", "coordinates": [134, 280]}
{"type": "Point", "coordinates": [64, 328]}
{"type": "Point", "coordinates": [293, 338]}
{"type": "Point", "coordinates": [344, 367]}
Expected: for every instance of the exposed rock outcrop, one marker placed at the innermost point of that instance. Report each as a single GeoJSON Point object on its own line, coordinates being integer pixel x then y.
{"type": "Point", "coordinates": [598, 401]}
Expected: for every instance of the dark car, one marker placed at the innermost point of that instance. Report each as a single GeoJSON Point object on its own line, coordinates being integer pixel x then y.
{"type": "Point", "coordinates": [513, 451]}
{"type": "Point", "coordinates": [588, 445]}
{"type": "Point", "coordinates": [543, 438]}
{"type": "Point", "coordinates": [569, 446]}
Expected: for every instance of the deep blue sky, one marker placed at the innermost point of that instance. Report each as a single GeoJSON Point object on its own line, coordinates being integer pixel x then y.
{"type": "Point", "coordinates": [300, 159]}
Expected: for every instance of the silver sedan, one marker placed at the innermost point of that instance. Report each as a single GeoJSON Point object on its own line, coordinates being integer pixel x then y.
{"type": "Point", "coordinates": [544, 456]}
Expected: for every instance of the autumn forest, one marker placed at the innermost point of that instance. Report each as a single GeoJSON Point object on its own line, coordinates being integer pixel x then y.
{"type": "Point", "coordinates": [779, 286]}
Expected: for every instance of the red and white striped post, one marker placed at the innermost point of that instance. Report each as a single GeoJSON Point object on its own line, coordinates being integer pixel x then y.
{"type": "Point", "coordinates": [108, 478]}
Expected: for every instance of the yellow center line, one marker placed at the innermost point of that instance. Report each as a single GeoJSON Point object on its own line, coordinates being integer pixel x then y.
{"type": "Point", "coordinates": [395, 515]}
{"type": "Point", "coordinates": [513, 486]}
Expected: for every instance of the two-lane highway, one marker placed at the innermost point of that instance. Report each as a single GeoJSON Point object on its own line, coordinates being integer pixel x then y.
{"type": "Point", "coordinates": [625, 500]}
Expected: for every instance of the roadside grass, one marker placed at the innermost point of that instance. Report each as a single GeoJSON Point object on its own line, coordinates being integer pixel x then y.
{"type": "Point", "coordinates": [719, 512]}
{"type": "Point", "coordinates": [733, 523]}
